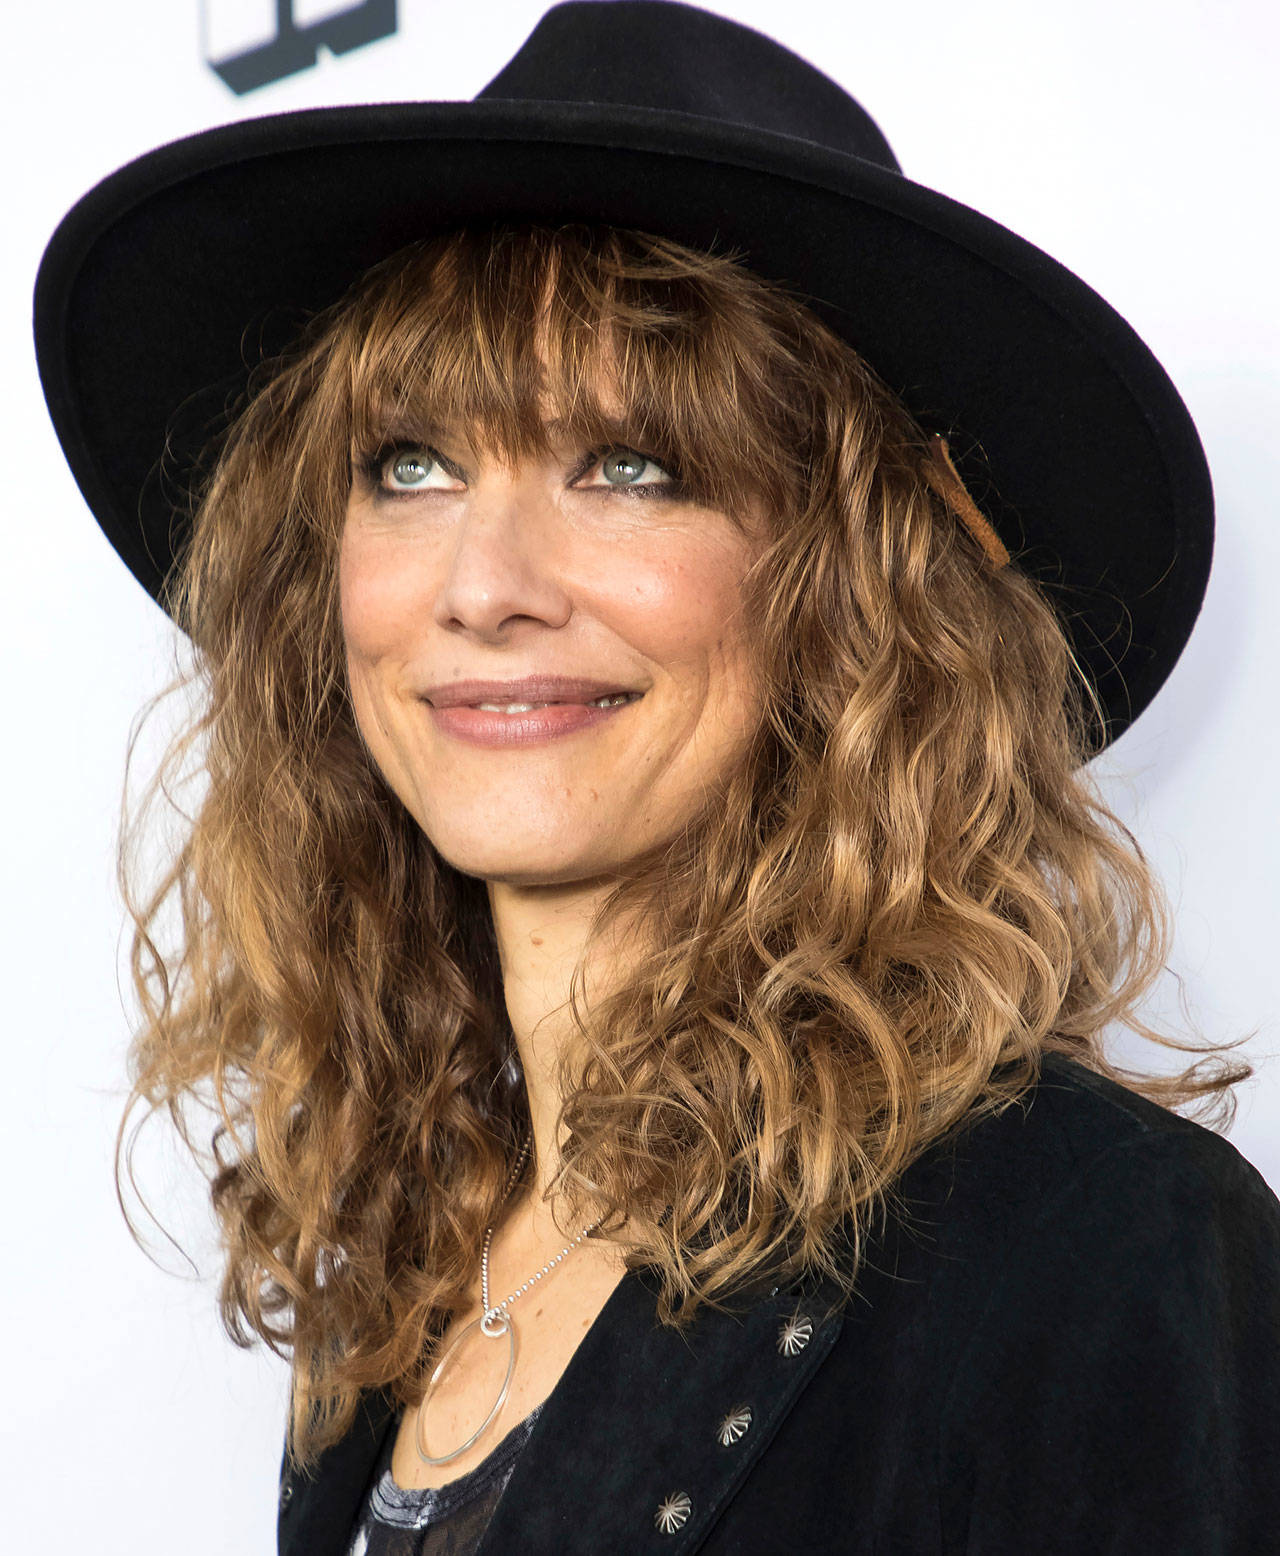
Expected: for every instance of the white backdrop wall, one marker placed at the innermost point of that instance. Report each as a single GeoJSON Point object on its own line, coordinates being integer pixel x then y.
{"type": "Point", "coordinates": [1134, 139]}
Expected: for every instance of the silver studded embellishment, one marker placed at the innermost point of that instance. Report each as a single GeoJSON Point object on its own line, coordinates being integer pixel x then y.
{"type": "Point", "coordinates": [794, 1335]}
{"type": "Point", "coordinates": [735, 1425]}
{"type": "Point", "coordinates": [673, 1513]}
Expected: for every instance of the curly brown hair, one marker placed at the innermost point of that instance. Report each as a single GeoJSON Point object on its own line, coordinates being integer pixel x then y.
{"type": "Point", "coordinates": [907, 884]}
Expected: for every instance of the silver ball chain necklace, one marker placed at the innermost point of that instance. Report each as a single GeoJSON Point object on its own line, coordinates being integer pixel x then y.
{"type": "Point", "coordinates": [488, 1323]}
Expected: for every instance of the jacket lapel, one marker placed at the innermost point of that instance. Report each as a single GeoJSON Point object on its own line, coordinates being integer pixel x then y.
{"type": "Point", "coordinates": [647, 1432]}
{"type": "Point", "coordinates": [317, 1510]}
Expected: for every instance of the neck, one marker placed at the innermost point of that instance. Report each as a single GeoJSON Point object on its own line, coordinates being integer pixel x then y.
{"type": "Point", "coordinates": [541, 934]}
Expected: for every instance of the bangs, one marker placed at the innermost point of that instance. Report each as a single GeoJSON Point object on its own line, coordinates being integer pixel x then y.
{"type": "Point", "coordinates": [515, 338]}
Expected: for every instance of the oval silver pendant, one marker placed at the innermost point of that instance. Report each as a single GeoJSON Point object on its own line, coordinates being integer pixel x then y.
{"type": "Point", "coordinates": [476, 1323]}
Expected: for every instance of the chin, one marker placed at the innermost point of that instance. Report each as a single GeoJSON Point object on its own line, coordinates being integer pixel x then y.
{"type": "Point", "coordinates": [541, 861]}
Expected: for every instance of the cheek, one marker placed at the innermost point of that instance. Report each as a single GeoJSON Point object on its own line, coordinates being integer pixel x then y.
{"type": "Point", "coordinates": [384, 600]}
{"type": "Point", "coordinates": [688, 612]}
{"type": "Point", "coordinates": [366, 594]}
{"type": "Point", "coordinates": [678, 601]}
{"type": "Point", "coordinates": [376, 610]}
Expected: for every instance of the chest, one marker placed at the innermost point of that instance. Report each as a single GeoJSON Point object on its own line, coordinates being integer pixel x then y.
{"type": "Point", "coordinates": [650, 1405]}
{"type": "Point", "coordinates": [549, 1322]}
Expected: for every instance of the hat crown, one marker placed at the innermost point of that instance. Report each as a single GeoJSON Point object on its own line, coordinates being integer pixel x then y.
{"type": "Point", "coordinates": [675, 58]}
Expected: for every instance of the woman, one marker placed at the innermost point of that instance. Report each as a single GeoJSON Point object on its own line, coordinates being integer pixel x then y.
{"type": "Point", "coordinates": [645, 852]}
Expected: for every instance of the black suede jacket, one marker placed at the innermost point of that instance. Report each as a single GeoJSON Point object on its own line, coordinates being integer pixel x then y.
{"type": "Point", "coordinates": [1067, 1341]}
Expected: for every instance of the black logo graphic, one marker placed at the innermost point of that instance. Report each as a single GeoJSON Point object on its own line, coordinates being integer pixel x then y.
{"type": "Point", "coordinates": [296, 48]}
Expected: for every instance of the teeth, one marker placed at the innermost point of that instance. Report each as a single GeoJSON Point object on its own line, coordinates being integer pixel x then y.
{"type": "Point", "coordinates": [614, 699]}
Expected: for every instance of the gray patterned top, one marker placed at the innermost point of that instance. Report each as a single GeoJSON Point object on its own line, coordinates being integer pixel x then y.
{"type": "Point", "coordinates": [436, 1521]}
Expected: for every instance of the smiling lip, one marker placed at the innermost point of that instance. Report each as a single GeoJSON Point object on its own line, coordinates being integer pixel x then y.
{"type": "Point", "coordinates": [487, 727]}
{"type": "Point", "coordinates": [533, 688]}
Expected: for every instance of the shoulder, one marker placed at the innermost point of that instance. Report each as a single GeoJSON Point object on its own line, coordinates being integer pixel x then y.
{"type": "Point", "coordinates": [1096, 1239]}
{"type": "Point", "coordinates": [1116, 1309]}
{"type": "Point", "coordinates": [1063, 1340]}
{"type": "Point", "coordinates": [1076, 1145]}
{"type": "Point", "coordinates": [1092, 1112]}
{"type": "Point", "coordinates": [1067, 1211]}
{"type": "Point", "coordinates": [1073, 1114]}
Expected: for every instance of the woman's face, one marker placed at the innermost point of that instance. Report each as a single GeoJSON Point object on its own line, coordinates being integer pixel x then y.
{"type": "Point", "coordinates": [453, 569]}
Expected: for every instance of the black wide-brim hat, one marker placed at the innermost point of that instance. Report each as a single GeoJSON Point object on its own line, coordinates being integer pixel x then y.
{"type": "Point", "coordinates": [167, 281]}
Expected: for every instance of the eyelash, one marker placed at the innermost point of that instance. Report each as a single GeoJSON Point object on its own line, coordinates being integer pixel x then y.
{"type": "Point", "coordinates": [374, 463]}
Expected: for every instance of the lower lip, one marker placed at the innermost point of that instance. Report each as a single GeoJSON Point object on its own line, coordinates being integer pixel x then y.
{"type": "Point", "coordinates": [481, 727]}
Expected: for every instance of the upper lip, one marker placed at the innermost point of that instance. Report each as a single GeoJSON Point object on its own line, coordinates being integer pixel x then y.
{"type": "Point", "coordinates": [533, 688]}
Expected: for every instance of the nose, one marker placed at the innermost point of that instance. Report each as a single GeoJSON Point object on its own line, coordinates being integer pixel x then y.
{"type": "Point", "coordinates": [506, 562]}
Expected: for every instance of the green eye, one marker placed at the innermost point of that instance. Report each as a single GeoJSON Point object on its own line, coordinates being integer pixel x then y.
{"type": "Point", "coordinates": [629, 464]}
{"type": "Point", "coordinates": [408, 469]}
{"type": "Point", "coordinates": [626, 462]}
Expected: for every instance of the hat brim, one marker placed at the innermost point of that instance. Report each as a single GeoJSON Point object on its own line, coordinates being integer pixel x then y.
{"type": "Point", "coordinates": [167, 282]}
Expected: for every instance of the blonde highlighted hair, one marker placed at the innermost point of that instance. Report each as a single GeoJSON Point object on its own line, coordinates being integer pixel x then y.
{"type": "Point", "coordinates": [907, 881]}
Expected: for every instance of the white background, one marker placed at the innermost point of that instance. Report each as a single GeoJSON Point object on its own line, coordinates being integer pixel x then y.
{"type": "Point", "coordinates": [1134, 139]}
